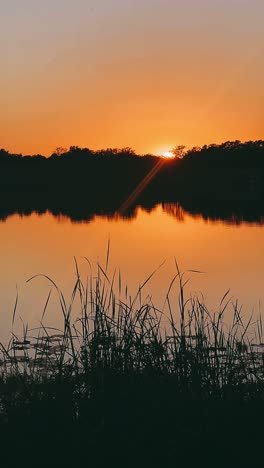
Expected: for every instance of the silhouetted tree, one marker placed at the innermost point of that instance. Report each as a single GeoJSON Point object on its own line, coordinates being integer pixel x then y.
{"type": "Point", "coordinates": [179, 151]}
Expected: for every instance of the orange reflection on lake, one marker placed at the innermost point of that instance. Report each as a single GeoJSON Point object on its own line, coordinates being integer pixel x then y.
{"type": "Point", "coordinates": [230, 255]}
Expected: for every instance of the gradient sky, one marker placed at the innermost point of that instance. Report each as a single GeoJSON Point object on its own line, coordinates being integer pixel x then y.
{"type": "Point", "coordinates": [149, 74]}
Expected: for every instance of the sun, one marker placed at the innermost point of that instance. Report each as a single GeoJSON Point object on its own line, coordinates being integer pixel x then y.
{"type": "Point", "coordinates": [168, 154]}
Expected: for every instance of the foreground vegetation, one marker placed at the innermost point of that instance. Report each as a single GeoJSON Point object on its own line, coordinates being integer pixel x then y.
{"type": "Point", "coordinates": [127, 384]}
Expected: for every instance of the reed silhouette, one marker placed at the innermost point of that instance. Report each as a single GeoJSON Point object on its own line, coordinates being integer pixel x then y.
{"type": "Point", "coordinates": [118, 387]}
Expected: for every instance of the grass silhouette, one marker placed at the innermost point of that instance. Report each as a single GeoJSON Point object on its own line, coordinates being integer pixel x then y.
{"type": "Point", "coordinates": [126, 383]}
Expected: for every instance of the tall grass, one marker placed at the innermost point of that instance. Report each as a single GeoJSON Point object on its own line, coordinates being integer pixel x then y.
{"type": "Point", "coordinates": [120, 335]}
{"type": "Point", "coordinates": [127, 384]}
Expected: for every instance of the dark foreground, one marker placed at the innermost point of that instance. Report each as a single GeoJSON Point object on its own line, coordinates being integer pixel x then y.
{"type": "Point", "coordinates": [117, 388]}
{"type": "Point", "coordinates": [131, 421]}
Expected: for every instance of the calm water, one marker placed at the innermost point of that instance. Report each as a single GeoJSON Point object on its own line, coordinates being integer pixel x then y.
{"type": "Point", "coordinates": [230, 255]}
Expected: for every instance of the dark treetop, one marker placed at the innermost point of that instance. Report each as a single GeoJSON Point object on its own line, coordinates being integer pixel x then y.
{"type": "Point", "coordinates": [219, 181]}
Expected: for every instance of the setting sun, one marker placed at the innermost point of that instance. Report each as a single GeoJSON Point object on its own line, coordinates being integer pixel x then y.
{"type": "Point", "coordinates": [168, 154]}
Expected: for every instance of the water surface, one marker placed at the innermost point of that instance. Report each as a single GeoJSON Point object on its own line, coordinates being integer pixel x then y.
{"type": "Point", "coordinates": [230, 253]}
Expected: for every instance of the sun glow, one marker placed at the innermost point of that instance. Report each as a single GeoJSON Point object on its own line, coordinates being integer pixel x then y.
{"type": "Point", "coordinates": [168, 154]}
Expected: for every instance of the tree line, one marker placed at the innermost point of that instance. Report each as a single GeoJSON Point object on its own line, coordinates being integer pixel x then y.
{"type": "Point", "coordinates": [232, 170]}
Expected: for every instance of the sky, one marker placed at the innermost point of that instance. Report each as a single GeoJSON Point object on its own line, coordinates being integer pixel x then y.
{"type": "Point", "coordinates": [149, 74]}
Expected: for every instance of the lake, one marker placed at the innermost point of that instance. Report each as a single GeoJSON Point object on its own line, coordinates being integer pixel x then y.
{"type": "Point", "coordinates": [230, 255]}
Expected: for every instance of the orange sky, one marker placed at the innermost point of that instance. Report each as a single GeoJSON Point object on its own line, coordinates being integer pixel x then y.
{"type": "Point", "coordinates": [149, 74]}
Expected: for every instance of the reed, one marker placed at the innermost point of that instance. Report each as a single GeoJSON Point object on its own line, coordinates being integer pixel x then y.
{"type": "Point", "coordinates": [120, 334]}
{"type": "Point", "coordinates": [122, 358]}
